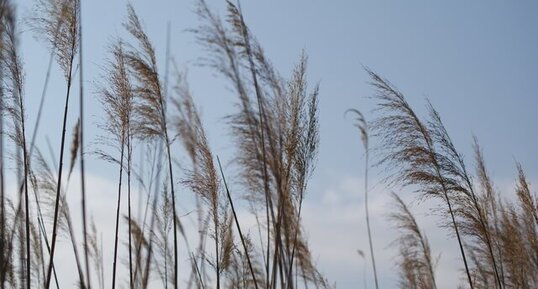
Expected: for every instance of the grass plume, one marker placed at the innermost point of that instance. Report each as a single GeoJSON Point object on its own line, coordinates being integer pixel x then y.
{"type": "Point", "coordinates": [416, 262]}
{"type": "Point", "coordinates": [117, 101]}
{"type": "Point", "coordinates": [150, 110]}
{"type": "Point", "coordinates": [410, 150]}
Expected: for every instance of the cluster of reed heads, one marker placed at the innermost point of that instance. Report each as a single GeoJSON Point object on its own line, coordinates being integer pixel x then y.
{"type": "Point", "coordinates": [275, 130]}
{"type": "Point", "coordinates": [497, 238]}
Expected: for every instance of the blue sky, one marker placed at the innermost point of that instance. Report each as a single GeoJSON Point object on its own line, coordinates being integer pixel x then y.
{"type": "Point", "coordinates": [475, 61]}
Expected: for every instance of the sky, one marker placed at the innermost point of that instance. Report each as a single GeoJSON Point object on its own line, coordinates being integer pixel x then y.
{"type": "Point", "coordinates": [475, 61]}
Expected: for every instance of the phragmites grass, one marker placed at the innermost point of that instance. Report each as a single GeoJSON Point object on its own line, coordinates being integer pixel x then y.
{"type": "Point", "coordinates": [57, 22]}
{"type": "Point", "coordinates": [203, 178]}
{"type": "Point", "coordinates": [477, 212]}
{"type": "Point", "coordinates": [415, 262]}
{"type": "Point", "coordinates": [13, 103]}
{"type": "Point", "coordinates": [409, 150]}
{"type": "Point", "coordinates": [474, 216]}
{"type": "Point", "coordinates": [490, 200]}
{"type": "Point", "coordinates": [246, 218]}
{"type": "Point", "coordinates": [150, 117]}
{"type": "Point", "coordinates": [518, 236]}
{"type": "Point", "coordinates": [150, 107]}
{"type": "Point", "coordinates": [117, 101]}
{"type": "Point", "coordinates": [276, 132]}
{"type": "Point", "coordinates": [362, 125]}
{"type": "Point", "coordinates": [497, 236]}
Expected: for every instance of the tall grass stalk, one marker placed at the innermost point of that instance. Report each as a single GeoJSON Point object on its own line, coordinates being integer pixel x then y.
{"type": "Point", "coordinates": [117, 102]}
{"type": "Point", "coordinates": [16, 110]}
{"type": "Point", "coordinates": [362, 125]}
{"type": "Point", "coordinates": [4, 10]}
{"type": "Point", "coordinates": [151, 107]}
{"type": "Point", "coordinates": [81, 149]}
{"type": "Point", "coordinates": [129, 216]}
{"type": "Point", "coordinates": [58, 24]}
{"type": "Point", "coordinates": [116, 234]}
{"type": "Point", "coordinates": [3, 269]}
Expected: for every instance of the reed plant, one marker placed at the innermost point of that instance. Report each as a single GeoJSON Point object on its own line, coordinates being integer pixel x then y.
{"type": "Point", "coordinates": [418, 153]}
{"type": "Point", "coordinates": [275, 130]}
